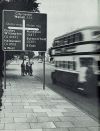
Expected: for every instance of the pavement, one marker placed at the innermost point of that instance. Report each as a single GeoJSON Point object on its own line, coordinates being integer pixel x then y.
{"type": "Point", "coordinates": [27, 107]}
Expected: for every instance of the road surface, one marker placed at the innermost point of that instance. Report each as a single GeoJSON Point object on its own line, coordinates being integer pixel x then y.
{"type": "Point", "coordinates": [86, 103]}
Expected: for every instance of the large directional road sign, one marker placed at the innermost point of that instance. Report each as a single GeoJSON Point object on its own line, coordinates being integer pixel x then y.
{"type": "Point", "coordinates": [23, 30]}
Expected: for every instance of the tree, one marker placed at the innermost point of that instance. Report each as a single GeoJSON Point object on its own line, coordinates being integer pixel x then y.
{"type": "Point", "coordinates": [41, 54]}
{"type": "Point", "coordinates": [22, 56]}
{"type": "Point", "coordinates": [30, 55]}
{"type": "Point", "coordinates": [26, 5]}
{"type": "Point", "coordinates": [21, 5]}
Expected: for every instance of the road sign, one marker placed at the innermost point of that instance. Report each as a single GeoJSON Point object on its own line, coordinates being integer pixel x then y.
{"type": "Point", "coordinates": [24, 31]}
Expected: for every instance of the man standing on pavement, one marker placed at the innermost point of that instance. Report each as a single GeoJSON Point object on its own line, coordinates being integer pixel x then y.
{"type": "Point", "coordinates": [23, 69]}
{"type": "Point", "coordinates": [27, 68]}
{"type": "Point", "coordinates": [30, 69]}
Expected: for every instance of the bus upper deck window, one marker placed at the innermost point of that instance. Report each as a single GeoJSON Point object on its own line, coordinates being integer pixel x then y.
{"type": "Point", "coordinates": [68, 38]}
{"type": "Point", "coordinates": [65, 41]}
{"type": "Point", "coordinates": [71, 39]}
{"type": "Point", "coordinates": [74, 38]}
{"type": "Point", "coordinates": [78, 37]}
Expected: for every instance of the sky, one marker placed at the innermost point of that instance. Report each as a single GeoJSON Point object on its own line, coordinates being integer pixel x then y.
{"type": "Point", "coordinates": [67, 15]}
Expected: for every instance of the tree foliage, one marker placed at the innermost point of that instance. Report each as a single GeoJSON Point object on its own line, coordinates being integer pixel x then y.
{"type": "Point", "coordinates": [21, 5]}
{"type": "Point", "coordinates": [30, 55]}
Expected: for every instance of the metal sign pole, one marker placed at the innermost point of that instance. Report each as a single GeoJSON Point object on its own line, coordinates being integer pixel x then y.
{"type": "Point", "coordinates": [44, 71]}
{"type": "Point", "coordinates": [4, 69]}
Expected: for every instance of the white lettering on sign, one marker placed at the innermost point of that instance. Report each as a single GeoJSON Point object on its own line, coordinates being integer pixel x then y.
{"type": "Point", "coordinates": [23, 28]}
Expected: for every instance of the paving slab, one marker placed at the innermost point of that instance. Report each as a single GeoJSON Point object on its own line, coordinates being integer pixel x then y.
{"type": "Point", "coordinates": [57, 129]}
{"type": "Point", "coordinates": [42, 125]}
{"type": "Point", "coordinates": [78, 129]}
{"type": "Point", "coordinates": [94, 128]}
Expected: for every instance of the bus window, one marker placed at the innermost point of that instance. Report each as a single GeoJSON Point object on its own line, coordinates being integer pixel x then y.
{"type": "Point", "coordinates": [96, 33]}
{"type": "Point", "coordinates": [74, 38]}
{"type": "Point", "coordinates": [68, 39]}
{"type": "Point", "coordinates": [71, 39]}
{"type": "Point", "coordinates": [74, 65]}
{"type": "Point", "coordinates": [71, 65]}
{"type": "Point", "coordinates": [86, 61]}
{"type": "Point", "coordinates": [66, 64]}
{"type": "Point", "coordinates": [63, 64]}
{"type": "Point", "coordinates": [55, 63]}
{"type": "Point", "coordinates": [98, 65]}
{"type": "Point", "coordinates": [59, 63]}
{"type": "Point", "coordinates": [78, 37]}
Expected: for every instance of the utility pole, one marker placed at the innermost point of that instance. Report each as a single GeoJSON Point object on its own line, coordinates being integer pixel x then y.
{"type": "Point", "coordinates": [44, 71]}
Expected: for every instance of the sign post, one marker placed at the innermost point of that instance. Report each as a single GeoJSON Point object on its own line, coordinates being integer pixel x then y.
{"type": "Point", "coordinates": [4, 69]}
{"type": "Point", "coordinates": [24, 31]}
{"type": "Point", "coordinates": [44, 71]}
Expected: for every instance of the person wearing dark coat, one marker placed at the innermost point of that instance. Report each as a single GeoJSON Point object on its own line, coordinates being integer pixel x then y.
{"type": "Point", "coordinates": [27, 68]}
{"type": "Point", "coordinates": [30, 69]}
{"type": "Point", "coordinates": [23, 69]}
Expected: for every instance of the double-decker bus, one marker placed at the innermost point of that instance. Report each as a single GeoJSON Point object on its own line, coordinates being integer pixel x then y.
{"type": "Point", "coordinates": [76, 58]}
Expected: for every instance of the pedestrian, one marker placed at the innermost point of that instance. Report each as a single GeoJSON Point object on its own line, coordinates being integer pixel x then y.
{"type": "Point", "coordinates": [27, 68]}
{"type": "Point", "coordinates": [23, 69]}
{"type": "Point", "coordinates": [30, 69]}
